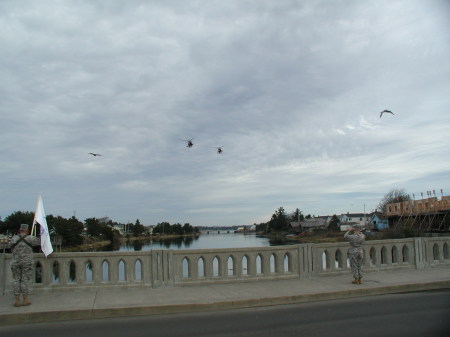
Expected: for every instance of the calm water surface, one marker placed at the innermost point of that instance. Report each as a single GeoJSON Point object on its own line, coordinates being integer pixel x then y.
{"type": "Point", "coordinates": [204, 241]}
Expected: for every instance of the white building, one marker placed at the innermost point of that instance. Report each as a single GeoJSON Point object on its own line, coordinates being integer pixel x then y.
{"type": "Point", "coordinates": [355, 218]}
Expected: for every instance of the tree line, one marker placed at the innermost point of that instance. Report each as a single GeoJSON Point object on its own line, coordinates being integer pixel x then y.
{"type": "Point", "coordinates": [177, 229]}
{"type": "Point", "coordinates": [281, 220]}
{"type": "Point", "coordinates": [72, 230]}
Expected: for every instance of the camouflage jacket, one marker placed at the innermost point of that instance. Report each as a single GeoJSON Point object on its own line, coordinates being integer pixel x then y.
{"type": "Point", "coordinates": [356, 241]}
{"type": "Point", "coordinates": [23, 251]}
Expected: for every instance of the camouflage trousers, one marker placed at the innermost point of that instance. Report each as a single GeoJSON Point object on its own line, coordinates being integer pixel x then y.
{"type": "Point", "coordinates": [21, 277]}
{"type": "Point", "coordinates": [356, 263]}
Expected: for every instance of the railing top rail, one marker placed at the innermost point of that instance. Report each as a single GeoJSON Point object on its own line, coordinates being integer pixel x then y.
{"type": "Point", "coordinates": [234, 250]}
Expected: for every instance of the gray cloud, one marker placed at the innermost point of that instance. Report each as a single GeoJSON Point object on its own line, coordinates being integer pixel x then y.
{"type": "Point", "coordinates": [291, 90]}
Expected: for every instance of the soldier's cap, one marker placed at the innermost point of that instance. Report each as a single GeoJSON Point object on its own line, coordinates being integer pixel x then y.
{"type": "Point", "coordinates": [357, 226]}
{"type": "Point", "coordinates": [24, 227]}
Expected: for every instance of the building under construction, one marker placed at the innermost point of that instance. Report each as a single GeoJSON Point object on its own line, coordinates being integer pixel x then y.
{"type": "Point", "coordinates": [429, 215]}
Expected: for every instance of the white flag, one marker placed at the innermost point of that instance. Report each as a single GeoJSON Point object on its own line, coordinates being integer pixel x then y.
{"type": "Point", "coordinates": [39, 217]}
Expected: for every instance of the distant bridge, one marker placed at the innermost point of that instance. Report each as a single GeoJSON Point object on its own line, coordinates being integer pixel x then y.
{"type": "Point", "coordinates": [217, 231]}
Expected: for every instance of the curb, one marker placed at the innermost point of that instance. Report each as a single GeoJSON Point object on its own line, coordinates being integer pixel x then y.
{"type": "Point", "coordinates": [84, 314]}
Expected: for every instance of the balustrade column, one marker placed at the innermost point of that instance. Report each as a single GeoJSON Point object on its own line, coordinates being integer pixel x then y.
{"type": "Point", "coordinates": [279, 263]}
{"type": "Point", "coordinates": [64, 272]}
{"type": "Point", "coordinates": [238, 265]}
{"type": "Point", "coordinates": [251, 264]}
{"type": "Point", "coordinates": [47, 271]}
{"type": "Point", "coordinates": [223, 265]}
{"type": "Point", "coordinates": [265, 263]}
{"type": "Point", "coordinates": [208, 266]}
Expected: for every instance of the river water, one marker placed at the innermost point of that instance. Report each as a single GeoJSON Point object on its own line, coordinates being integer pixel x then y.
{"type": "Point", "coordinates": [204, 241]}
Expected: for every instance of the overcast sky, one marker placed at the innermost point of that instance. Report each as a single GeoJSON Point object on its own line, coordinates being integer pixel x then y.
{"type": "Point", "coordinates": [291, 90]}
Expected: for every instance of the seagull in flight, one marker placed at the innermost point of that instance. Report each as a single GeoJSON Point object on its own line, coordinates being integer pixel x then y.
{"type": "Point", "coordinates": [385, 111]}
{"type": "Point", "coordinates": [95, 154]}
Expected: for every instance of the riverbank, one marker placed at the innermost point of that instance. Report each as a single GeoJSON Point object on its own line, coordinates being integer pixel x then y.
{"type": "Point", "coordinates": [190, 241]}
{"type": "Point", "coordinates": [96, 244]}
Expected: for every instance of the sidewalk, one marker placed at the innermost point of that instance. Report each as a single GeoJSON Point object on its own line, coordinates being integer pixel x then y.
{"type": "Point", "coordinates": [116, 302]}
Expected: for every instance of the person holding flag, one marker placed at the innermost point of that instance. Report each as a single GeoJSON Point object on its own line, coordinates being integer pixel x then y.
{"type": "Point", "coordinates": [21, 246]}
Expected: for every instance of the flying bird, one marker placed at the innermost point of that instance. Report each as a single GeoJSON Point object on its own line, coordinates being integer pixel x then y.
{"type": "Point", "coordinates": [189, 142]}
{"type": "Point", "coordinates": [219, 149]}
{"type": "Point", "coordinates": [385, 111]}
{"type": "Point", "coordinates": [95, 154]}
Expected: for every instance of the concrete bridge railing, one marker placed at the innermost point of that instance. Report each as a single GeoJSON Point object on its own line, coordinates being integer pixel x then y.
{"type": "Point", "coordinates": [158, 268]}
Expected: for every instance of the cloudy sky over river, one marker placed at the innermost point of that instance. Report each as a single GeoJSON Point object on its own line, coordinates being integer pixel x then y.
{"type": "Point", "coordinates": [290, 90]}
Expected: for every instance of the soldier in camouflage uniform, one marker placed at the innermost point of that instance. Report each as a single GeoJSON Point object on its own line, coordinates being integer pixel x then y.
{"type": "Point", "coordinates": [22, 263]}
{"type": "Point", "coordinates": [356, 252]}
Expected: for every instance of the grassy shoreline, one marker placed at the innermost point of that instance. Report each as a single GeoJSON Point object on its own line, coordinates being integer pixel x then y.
{"type": "Point", "coordinates": [93, 243]}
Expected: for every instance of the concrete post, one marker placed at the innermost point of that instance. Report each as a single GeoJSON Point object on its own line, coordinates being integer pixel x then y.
{"type": "Point", "coordinates": [419, 253]}
{"type": "Point", "coordinates": [305, 259]}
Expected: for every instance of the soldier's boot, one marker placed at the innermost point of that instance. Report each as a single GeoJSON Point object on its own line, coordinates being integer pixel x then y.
{"type": "Point", "coordinates": [26, 300]}
{"type": "Point", "coordinates": [355, 281]}
{"type": "Point", "coordinates": [17, 304]}
{"type": "Point", "coordinates": [359, 281]}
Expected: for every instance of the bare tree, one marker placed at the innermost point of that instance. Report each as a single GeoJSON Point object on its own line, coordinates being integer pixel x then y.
{"type": "Point", "coordinates": [394, 195]}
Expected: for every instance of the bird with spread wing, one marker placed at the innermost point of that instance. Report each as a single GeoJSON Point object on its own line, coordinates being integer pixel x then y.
{"type": "Point", "coordinates": [385, 111]}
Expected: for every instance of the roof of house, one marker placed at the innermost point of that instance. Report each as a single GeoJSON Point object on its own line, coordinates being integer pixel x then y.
{"type": "Point", "coordinates": [354, 215]}
{"type": "Point", "coordinates": [379, 215]}
{"type": "Point", "coordinates": [314, 222]}
{"type": "Point", "coordinates": [295, 225]}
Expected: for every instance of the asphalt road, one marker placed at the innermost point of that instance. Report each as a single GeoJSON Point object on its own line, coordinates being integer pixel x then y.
{"type": "Point", "coordinates": [413, 314]}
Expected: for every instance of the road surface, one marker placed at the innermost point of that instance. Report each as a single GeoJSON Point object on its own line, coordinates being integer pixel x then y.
{"type": "Point", "coordinates": [414, 314]}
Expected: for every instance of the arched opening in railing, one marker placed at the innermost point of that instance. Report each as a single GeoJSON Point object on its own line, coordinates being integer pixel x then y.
{"type": "Point", "coordinates": [325, 260]}
{"type": "Point", "coordinates": [347, 258]}
{"type": "Point", "coordinates": [405, 254]}
{"type": "Point", "coordinates": [105, 271]}
{"type": "Point", "coordinates": [272, 263]}
{"type": "Point", "coordinates": [287, 263]}
{"type": "Point", "coordinates": [72, 272]}
{"type": "Point", "coordinates": [216, 267]}
{"type": "Point", "coordinates": [244, 265]}
{"type": "Point", "coordinates": [185, 270]}
{"type": "Point", "coordinates": [373, 257]}
{"type": "Point", "coordinates": [122, 271]}
{"type": "Point", "coordinates": [383, 255]}
{"type": "Point", "coordinates": [446, 252]}
{"type": "Point", "coordinates": [338, 260]}
{"type": "Point", "coordinates": [230, 266]}
{"type": "Point", "coordinates": [89, 273]}
{"type": "Point", "coordinates": [394, 254]}
{"type": "Point", "coordinates": [55, 272]}
{"type": "Point", "coordinates": [138, 270]}
{"type": "Point", "coordinates": [436, 254]}
{"type": "Point", "coordinates": [38, 272]}
{"type": "Point", "coordinates": [259, 269]}
{"type": "Point", "coordinates": [201, 267]}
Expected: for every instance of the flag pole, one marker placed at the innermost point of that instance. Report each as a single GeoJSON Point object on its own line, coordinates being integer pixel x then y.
{"type": "Point", "coordinates": [33, 228]}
